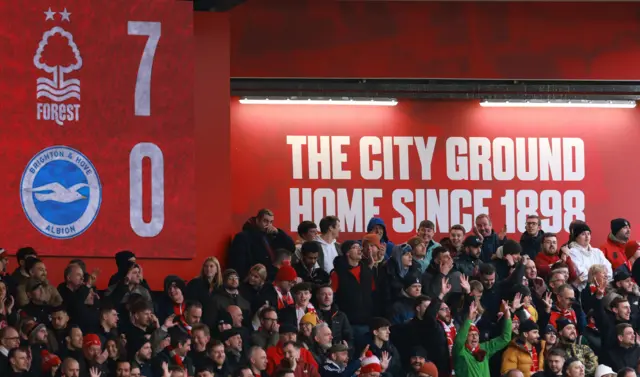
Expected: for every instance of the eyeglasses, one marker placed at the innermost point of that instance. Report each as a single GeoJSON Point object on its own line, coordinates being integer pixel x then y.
{"type": "Point", "coordinates": [270, 319]}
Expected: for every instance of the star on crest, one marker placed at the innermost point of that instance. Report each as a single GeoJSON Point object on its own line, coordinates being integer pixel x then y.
{"type": "Point", "coordinates": [65, 15]}
{"type": "Point", "coordinates": [49, 13]}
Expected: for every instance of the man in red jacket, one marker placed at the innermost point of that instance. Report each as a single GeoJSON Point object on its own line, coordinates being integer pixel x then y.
{"type": "Point", "coordinates": [550, 255]}
{"type": "Point", "coordinates": [614, 247]}
{"type": "Point", "coordinates": [275, 354]}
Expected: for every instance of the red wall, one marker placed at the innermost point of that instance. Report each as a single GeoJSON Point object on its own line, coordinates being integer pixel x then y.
{"type": "Point", "coordinates": [212, 160]}
{"type": "Point", "coordinates": [263, 170]}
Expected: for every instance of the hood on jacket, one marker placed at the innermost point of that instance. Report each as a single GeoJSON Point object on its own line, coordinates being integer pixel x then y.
{"type": "Point", "coordinates": [583, 250]}
{"type": "Point", "coordinates": [396, 258]}
{"type": "Point", "coordinates": [173, 279]}
{"type": "Point", "coordinates": [378, 221]}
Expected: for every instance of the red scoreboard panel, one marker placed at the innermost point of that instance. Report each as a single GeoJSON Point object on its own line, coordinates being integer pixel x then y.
{"type": "Point", "coordinates": [97, 137]}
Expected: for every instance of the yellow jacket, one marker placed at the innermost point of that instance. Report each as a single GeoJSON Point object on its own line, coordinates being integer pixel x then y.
{"type": "Point", "coordinates": [516, 356]}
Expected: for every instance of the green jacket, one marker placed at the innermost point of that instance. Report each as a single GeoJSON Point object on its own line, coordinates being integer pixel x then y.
{"type": "Point", "coordinates": [463, 361]}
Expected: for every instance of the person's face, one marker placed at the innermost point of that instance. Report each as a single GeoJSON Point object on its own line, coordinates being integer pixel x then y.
{"type": "Point", "coordinates": [303, 297]}
{"type": "Point", "coordinates": [414, 290]}
{"type": "Point", "coordinates": [144, 353]}
{"type": "Point", "coordinates": [41, 335]}
{"type": "Point", "coordinates": [532, 336]}
{"type": "Point", "coordinates": [473, 339]}
{"type": "Point", "coordinates": [566, 298]}
{"type": "Point", "coordinates": [11, 339]}
{"type": "Point", "coordinates": [557, 279]}
{"type": "Point", "coordinates": [576, 369]}
{"type": "Point", "coordinates": [422, 308]}
{"type": "Point", "coordinates": [306, 328]}
{"type": "Point", "coordinates": [309, 259]}
{"type": "Point", "coordinates": [420, 251]}
{"type": "Point", "coordinates": [254, 279]}
{"type": "Point", "coordinates": [355, 253]}
{"type": "Point", "coordinates": [59, 320]}
{"type": "Point", "coordinates": [383, 333]}
{"type": "Point", "coordinates": [416, 362]}
{"type": "Point", "coordinates": [112, 349]}
{"type": "Point", "coordinates": [217, 354]}
{"type": "Point", "coordinates": [555, 363]}
{"type": "Point", "coordinates": [569, 333]}
{"type": "Point", "coordinates": [3, 290]}
{"type": "Point", "coordinates": [407, 259]}
{"type": "Point", "coordinates": [143, 318]}
{"type": "Point", "coordinates": [185, 348]}
{"type": "Point", "coordinates": [584, 238]}
{"type": "Point", "coordinates": [269, 320]}
{"type": "Point", "coordinates": [194, 315]}
{"type": "Point", "coordinates": [379, 230]}
{"type": "Point", "coordinates": [259, 359]}
{"type": "Point", "coordinates": [426, 234]}
{"type": "Point", "coordinates": [341, 358]}
{"type": "Point", "coordinates": [626, 285]}
{"type": "Point", "coordinates": [476, 293]}
{"type": "Point", "coordinates": [123, 370]}
{"type": "Point", "coordinates": [232, 281]}
{"type": "Point", "coordinates": [443, 258]}
{"type": "Point", "coordinates": [265, 222]}
{"type": "Point", "coordinates": [175, 293]}
{"type": "Point", "coordinates": [39, 271]}
{"type": "Point", "coordinates": [455, 236]}
{"type": "Point", "coordinates": [4, 262]}
{"type": "Point", "coordinates": [324, 336]}
{"type": "Point", "coordinates": [92, 352]}
{"type": "Point", "coordinates": [20, 361]}
{"type": "Point", "coordinates": [135, 372]}
{"type": "Point", "coordinates": [533, 226]}
{"type": "Point", "coordinates": [235, 342]}
{"type": "Point", "coordinates": [335, 230]}
{"type": "Point", "coordinates": [310, 235]}
{"type": "Point", "coordinates": [628, 337]}
{"type": "Point", "coordinates": [72, 369]}
{"type": "Point", "coordinates": [210, 269]}
{"type": "Point", "coordinates": [474, 251]}
{"type": "Point", "coordinates": [289, 337]}
{"type": "Point", "coordinates": [484, 226]}
{"type": "Point", "coordinates": [444, 313]}
{"type": "Point", "coordinates": [624, 234]}
{"type": "Point", "coordinates": [325, 297]}
{"type": "Point", "coordinates": [291, 353]}
{"type": "Point", "coordinates": [550, 338]}
{"type": "Point", "coordinates": [200, 340]}
{"type": "Point", "coordinates": [530, 270]}
{"type": "Point", "coordinates": [371, 251]}
{"type": "Point", "coordinates": [623, 310]}
{"type": "Point", "coordinates": [488, 280]}
{"type": "Point", "coordinates": [550, 246]}
{"type": "Point", "coordinates": [76, 277]}
{"type": "Point", "coordinates": [134, 275]}
{"type": "Point", "coordinates": [75, 338]}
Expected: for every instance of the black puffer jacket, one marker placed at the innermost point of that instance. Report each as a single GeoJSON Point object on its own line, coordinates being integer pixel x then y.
{"type": "Point", "coordinates": [531, 245]}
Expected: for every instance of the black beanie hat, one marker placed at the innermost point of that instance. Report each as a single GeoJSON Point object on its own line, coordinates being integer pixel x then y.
{"type": "Point", "coordinates": [311, 247]}
{"type": "Point", "coordinates": [411, 279]}
{"type": "Point", "coordinates": [522, 289]}
{"type": "Point", "coordinates": [527, 325]}
{"type": "Point", "coordinates": [561, 323]}
{"type": "Point", "coordinates": [173, 279]}
{"type": "Point", "coordinates": [617, 224]}
{"type": "Point", "coordinates": [346, 246]}
{"type": "Point", "coordinates": [135, 344]}
{"type": "Point", "coordinates": [511, 247]}
{"type": "Point", "coordinates": [578, 229]}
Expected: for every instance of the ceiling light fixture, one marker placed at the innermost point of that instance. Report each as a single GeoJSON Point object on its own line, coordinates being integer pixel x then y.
{"type": "Point", "coordinates": [348, 101]}
{"type": "Point", "coordinates": [559, 103]}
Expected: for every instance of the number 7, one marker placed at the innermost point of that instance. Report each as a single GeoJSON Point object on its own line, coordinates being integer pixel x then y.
{"type": "Point", "coordinates": [143, 82]}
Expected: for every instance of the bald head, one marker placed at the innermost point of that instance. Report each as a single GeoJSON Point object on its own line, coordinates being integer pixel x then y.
{"type": "Point", "coordinates": [236, 315]}
{"type": "Point", "coordinates": [70, 367]}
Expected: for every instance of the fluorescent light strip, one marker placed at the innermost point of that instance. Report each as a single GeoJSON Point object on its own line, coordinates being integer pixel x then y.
{"type": "Point", "coordinates": [560, 103]}
{"type": "Point", "coordinates": [320, 101]}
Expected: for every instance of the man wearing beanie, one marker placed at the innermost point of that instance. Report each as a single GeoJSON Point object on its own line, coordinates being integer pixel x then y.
{"type": "Point", "coordinates": [172, 302]}
{"type": "Point", "coordinates": [403, 310]}
{"type": "Point", "coordinates": [228, 295]}
{"type": "Point", "coordinates": [257, 243]}
{"type": "Point", "coordinates": [614, 247]}
{"type": "Point", "coordinates": [568, 335]}
{"type": "Point", "coordinates": [584, 255]}
{"type": "Point", "coordinates": [525, 353]}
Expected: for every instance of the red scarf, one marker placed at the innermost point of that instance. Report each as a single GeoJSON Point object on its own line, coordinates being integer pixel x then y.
{"type": "Point", "coordinates": [534, 358]}
{"type": "Point", "coordinates": [178, 310]}
{"type": "Point", "coordinates": [592, 324]}
{"type": "Point", "coordinates": [450, 332]}
{"type": "Point", "coordinates": [283, 301]}
{"type": "Point", "coordinates": [477, 352]}
{"type": "Point", "coordinates": [176, 358]}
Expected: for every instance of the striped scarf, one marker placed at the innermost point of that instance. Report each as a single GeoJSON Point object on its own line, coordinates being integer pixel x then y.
{"type": "Point", "coordinates": [534, 358]}
{"type": "Point", "coordinates": [450, 332]}
{"type": "Point", "coordinates": [283, 301]}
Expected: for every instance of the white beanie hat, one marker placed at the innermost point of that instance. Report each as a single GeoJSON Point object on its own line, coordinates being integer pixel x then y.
{"type": "Point", "coordinates": [603, 370]}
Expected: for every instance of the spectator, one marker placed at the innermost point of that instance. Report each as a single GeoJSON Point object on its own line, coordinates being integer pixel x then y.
{"type": "Point", "coordinates": [275, 354]}
{"type": "Point", "coordinates": [329, 233]}
{"type": "Point", "coordinates": [625, 353]}
{"type": "Point", "coordinates": [337, 362]}
{"type": "Point", "coordinates": [228, 295]}
{"type": "Point", "coordinates": [282, 257]}
{"type": "Point", "coordinates": [376, 226]}
{"type": "Point", "coordinates": [258, 361]}
{"type": "Point", "coordinates": [21, 273]}
{"type": "Point", "coordinates": [525, 352]}
{"type": "Point", "coordinates": [453, 243]}
{"type": "Point", "coordinates": [554, 360]}
{"type": "Point", "coordinates": [550, 255]}
{"type": "Point", "coordinates": [380, 345]}
{"type": "Point", "coordinates": [531, 239]}
{"type": "Point", "coordinates": [584, 256]}
{"type": "Point", "coordinates": [216, 359]}
{"type": "Point", "coordinates": [614, 247]}
{"type": "Point", "coordinates": [267, 334]}
{"type": "Point", "coordinates": [468, 261]}
{"type": "Point", "coordinates": [567, 342]}
{"type": "Point", "coordinates": [417, 359]}
{"type": "Point", "coordinates": [322, 341]}
{"type": "Point", "coordinates": [293, 362]}
{"type": "Point", "coordinates": [329, 313]}
{"type": "Point", "coordinates": [307, 231]}
{"type": "Point", "coordinates": [200, 337]}
{"type": "Point", "coordinates": [426, 230]}
{"type": "Point", "coordinates": [403, 309]}
{"type": "Point", "coordinates": [204, 286]}
{"type": "Point", "coordinates": [490, 239]}
{"type": "Point", "coordinates": [308, 268]}
{"type": "Point", "coordinates": [257, 243]}
{"type": "Point", "coordinates": [37, 274]}
{"type": "Point", "coordinates": [398, 266]}
{"type": "Point", "coordinates": [19, 363]}
{"type": "Point", "coordinates": [419, 253]}
{"type": "Point", "coordinates": [254, 289]}
{"type": "Point", "coordinates": [301, 296]}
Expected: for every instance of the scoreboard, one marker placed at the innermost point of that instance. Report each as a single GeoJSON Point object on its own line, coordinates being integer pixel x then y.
{"type": "Point", "coordinates": [97, 129]}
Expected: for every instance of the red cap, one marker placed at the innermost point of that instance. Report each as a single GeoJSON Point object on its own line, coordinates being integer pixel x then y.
{"type": "Point", "coordinates": [474, 328]}
{"type": "Point", "coordinates": [286, 273]}
{"type": "Point", "coordinates": [49, 360]}
{"type": "Point", "coordinates": [91, 340]}
{"type": "Point", "coordinates": [370, 364]}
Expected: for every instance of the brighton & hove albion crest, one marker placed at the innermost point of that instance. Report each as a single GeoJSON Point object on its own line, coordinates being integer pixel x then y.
{"type": "Point", "coordinates": [60, 192]}
{"type": "Point", "coordinates": [58, 56]}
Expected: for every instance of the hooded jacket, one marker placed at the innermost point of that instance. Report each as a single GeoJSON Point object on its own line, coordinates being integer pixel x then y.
{"type": "Point", "coordinates": [385, 238]}
{"type": "Point", "coordinates": [516, 356]}
{"type": "Point", "coordinates": [531, 245]}
{"type": "Point", "coordinates": [614, 251]}
{"type": "Point", "coordinates": [585, 257]}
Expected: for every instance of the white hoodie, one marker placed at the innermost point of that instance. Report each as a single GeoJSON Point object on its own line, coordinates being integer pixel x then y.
{"type": "Point", "coordinates": [330, 253]}
{"type": "Point", "coordinates": [585, 257]}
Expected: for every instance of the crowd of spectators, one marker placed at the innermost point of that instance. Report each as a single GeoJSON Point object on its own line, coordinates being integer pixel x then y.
{"type": "Point", "coordinates": [474, 304]}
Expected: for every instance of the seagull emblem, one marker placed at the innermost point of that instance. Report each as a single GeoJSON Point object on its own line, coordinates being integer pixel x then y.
{"type": "Point", "coordinates": [58, 193]}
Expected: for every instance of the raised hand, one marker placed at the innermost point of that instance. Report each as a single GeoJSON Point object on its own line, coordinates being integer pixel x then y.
{"type": "Point", "coordinates": [517, 302]}
{"type": "Point", "coordinates": [503, 232]}
{"type": "Point", "coordinates": [165, 369]}
{"type": "Point", "coordinates": [473, 311]}
{"type": "Point", "coordinates": [477, 233]}
{"type": "Point", "coordinates": [94, 372]}
{"type": "Point", "coordinates": [507, 311]}
{"type": "Point", "coordinates": [384, 362]}
{"type": "Point", "coordinates": [548, 302]}
{"type": "Point", "coordinates": [464, 283]}
{"type": "Point", "coordinates": [364, 352]}
{"type": "Point", "coordinates": [445, 287]}
{"type": "Point", "coordinates": [169, 323]}
{"type": "Point", "coordinates": [102, 357]}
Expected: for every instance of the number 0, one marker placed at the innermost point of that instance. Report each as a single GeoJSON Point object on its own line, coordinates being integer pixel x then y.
{"type": "Point", "coordinates": [138, 153]}
{"type": "Point", "coordinates": [143, 82]}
